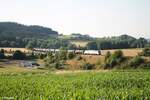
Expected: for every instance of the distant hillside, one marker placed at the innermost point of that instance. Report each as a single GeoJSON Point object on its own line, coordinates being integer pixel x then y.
{"type": "Point", "coordinates": [10, 30]}
{"type": "Point", "coordinates": [19, 35]}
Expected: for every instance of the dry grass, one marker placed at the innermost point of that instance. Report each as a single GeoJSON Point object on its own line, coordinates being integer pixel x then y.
{"type": "Point", "coordinates": [80, 43]}
{"type": "Point", "coordinates": [14, 67]}
{"type": "Point", "coordinates": [99, 59]}
{"type": "Point", "coordinates": [126, 52]}
{"type": "Point", "coordinates": [92, 59]}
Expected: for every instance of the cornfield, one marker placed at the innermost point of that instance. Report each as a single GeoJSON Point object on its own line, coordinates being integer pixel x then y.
{"type": "Point", "coordinates": [128, 85]}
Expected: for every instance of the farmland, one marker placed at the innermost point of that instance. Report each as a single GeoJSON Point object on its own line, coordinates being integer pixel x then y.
{"type": "Point", "coordinates": [89, 85]}
{"type": "Point", "coordinates": [21, 83]}
{"type": "Point", "coordinates": [127, 52]}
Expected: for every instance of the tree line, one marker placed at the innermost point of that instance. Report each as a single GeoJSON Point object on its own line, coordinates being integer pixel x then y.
{"type": "Point", "coordinates": [121, 42]}
{"type": "Point", "coordinates": [18, 35]}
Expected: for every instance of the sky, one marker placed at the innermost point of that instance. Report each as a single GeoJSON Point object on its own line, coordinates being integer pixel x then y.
{"type": "Point", "coordinates": [96, 18]}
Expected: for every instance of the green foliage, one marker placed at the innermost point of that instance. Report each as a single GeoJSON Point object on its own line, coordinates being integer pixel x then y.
{"type": "Point", "coordinates": [42, 56]}
{"type": "Point", "coordinates": [108, 54]}
{"type": "Point", "coordinates": [136, 61]}
{"type": "Point", "coordinates": [112, 60]}
{"type": "Point", "coordinates": [30, 45]}
{"type": "Point", "coordinates": [63, 54]}
{"type": "Point", "coordinates": [132, 85]}
{"type": "Point", "coordinates": [57, 60]}
{"type": "Point", "coordinates": [70, 55]}
{"type": "Point", "coordinates": [121, 42]}
{"type": "Point", "coordinates": [88, 66]}
{"type": "Point", "coordinates": [145, 52]}
{"type": "Point", "coordinates": [92, 46]}
{"type": "Point", "coordinates": [18, 55]}
{"type": "Point", "coordinates": [17, 35]}
{"type": "Point", "coordinates": [2, 54]}
{"type": "Point", "coordinates": [31, 56]}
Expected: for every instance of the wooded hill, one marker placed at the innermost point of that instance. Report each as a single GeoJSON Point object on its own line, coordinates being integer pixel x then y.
{"type": "Point", "coordinates": [10, 30]}
{"type": "Point", "coordinates": [19, 35]}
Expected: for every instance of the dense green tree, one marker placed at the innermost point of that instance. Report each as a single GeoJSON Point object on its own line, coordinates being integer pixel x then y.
{"type": "Point", "coordinates": [2, 54]}
{"type": "Point", "coordinates": [18, 55]}
{"type": "Point", "coordinates": [92, 46]}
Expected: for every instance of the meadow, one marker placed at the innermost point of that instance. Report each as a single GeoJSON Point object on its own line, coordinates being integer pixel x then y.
{"type": "Point", "coordinates": [107, 85]}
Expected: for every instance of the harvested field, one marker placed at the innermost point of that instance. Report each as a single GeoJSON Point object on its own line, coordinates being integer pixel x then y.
{"type": "Point", "coordinates": [126, 52]}
{"type": "Point", "coordinates": [80, 43]}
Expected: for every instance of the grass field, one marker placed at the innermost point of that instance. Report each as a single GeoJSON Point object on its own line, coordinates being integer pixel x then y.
{"type": "Point", "coordinates": [13, 66]}
{"type": "Point", "coordinates": [111, 85]}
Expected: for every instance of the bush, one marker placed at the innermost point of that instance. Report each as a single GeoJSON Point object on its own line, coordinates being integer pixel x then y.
{"type": "Point", "coordinates": [70, 55]}
{"type": "Point", "coordinates": [136, 61]}
{"type": "Point", "coordinates": [88, 66]}
{"type": "Point", "coordinates": [118, 54]}
{"type": "Point", "coordinates": [18, 55]}
{"type": "Point", "coordinates": [2, 54]}
{"type": "Point", "coordinates": [145, 52]}
{"type": "Point", "coordinates": [42, 56]}
{"type": "Point", "coordinates": [54, 62]}
{"type": "Point", "coordinates": [63, 54]}
{"type": "Point", "coordinates": [114, 59]}
{"type": "Point", "coordinates": [108, 54]}
{"type": "Point", "coordinates": [145, 65]}
{"type": "Point", "coordinates": [56, 65]}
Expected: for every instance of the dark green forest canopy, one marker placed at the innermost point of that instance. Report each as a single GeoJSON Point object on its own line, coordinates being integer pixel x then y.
{"type": "Point", "coordinates": [10, 30]}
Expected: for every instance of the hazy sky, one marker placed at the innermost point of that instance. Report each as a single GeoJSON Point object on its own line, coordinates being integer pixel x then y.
{"type": "Point", "coordinates": [93, 17]}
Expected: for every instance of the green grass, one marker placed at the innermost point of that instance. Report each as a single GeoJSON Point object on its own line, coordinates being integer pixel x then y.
{"type": "Point", "coordinates": [128, 85]}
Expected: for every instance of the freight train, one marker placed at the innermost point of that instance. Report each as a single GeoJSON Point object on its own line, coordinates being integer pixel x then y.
{"type": "Point", "coordinates": [83, 52]}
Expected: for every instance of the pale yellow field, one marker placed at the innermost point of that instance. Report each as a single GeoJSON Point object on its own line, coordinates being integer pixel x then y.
{"type": "Point", "coordinates": [80, 43]}
{"type": "Point", "coordinates": [126, 52]}
{"type": "Point", "coordinates": [97, 59]}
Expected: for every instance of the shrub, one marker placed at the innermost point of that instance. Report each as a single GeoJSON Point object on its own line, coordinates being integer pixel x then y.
{"type": "Point", "coordinates": [54, 62]}
{"type": "Point", "coordinates": [145, 52]}
{"type": "Point", "coordinates": [42, 56]}
{"type": "Point", "coordinates": [118, 54]}
{"type": "Point", "coordinates": [114, 59]}
{"type": "Point", "coordinates": [70, 55]}
{"type": "Point", "coordinates": [63, 54]}
{"type": "Point", "coordinates": [2, 54]}
{"type": "Point", "coordinates": [136, 61]}
{"type": "Point", "coordinates": [56, 65]}
{"type": "Point", "coordinates": [18, 55]}
{"type": "Point", "coordinates": [108, 54]}
{"type": "Point", "coordinates": [145, 65]}
{"type": "Point", "coordinates": [88, 66]}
